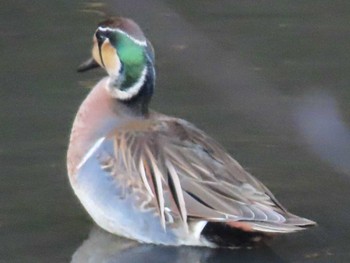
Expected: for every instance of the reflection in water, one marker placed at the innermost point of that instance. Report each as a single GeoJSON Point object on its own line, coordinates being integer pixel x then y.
{"type": "Point", "coordinates": [102, 247]}
{"type": "Point", "coordinates": [320, 123]}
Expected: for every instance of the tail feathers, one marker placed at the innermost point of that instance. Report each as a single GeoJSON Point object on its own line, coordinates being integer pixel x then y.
{"type": "Point", "coordinates": [293, 223]}
{"type": "Point", "coordinates": [299, 221]}
{"type": "Point", "coordinates": [274, 228]}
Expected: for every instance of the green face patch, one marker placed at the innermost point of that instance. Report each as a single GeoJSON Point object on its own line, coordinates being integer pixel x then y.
{"type": "Point", "coordinates": [132, 56]}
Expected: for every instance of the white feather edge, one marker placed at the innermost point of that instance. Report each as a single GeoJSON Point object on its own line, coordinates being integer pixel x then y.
{"type": "Point", "coordinates": [178, 190]}
{"type": "Point", "coordinates": [90, 152]}
{"type": "Point", "coordinates": [158, 184]}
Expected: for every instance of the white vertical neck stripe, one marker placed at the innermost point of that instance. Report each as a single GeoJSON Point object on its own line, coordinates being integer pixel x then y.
{"type": "Point", "coordinates": [129, 92]}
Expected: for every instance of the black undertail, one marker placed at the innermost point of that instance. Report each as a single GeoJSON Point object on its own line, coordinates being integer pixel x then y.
{"type": "Point", "coordinates": [225, 236]}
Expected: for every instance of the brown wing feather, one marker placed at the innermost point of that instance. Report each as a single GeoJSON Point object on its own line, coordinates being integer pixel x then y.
{"type": "Point", "coordinates": [183, 169]}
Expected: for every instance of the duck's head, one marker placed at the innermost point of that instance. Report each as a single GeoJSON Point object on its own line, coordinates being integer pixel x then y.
{"type": "Point", "coordinates": [120, 47]}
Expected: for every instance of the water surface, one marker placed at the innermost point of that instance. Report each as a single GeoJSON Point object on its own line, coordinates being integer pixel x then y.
{"type": "Point", "coordinates": [268, 80]}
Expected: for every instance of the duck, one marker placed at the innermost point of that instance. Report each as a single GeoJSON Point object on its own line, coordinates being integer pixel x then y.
{"type": "Point", "coordinates": [154, 178]}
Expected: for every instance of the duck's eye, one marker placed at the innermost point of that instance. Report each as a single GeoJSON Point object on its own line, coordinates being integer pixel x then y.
{"type": "Point", "coordinates": [101, 36]}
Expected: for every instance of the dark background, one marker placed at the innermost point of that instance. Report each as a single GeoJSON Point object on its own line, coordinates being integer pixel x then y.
{"type": "Point", "coordinates": [268, 79]}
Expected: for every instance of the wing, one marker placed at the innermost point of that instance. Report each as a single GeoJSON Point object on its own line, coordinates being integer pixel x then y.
{"type": "Point", "coordinates": [189, 176]}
